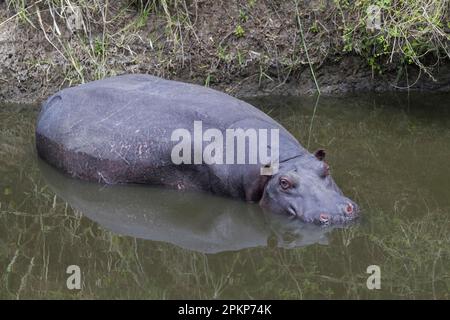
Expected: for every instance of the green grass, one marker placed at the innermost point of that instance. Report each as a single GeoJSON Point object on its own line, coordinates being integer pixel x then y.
{"type": "Point", "coordinates": [410, 31]}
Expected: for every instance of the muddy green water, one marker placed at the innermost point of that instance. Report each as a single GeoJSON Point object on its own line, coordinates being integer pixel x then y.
{"type": "Point", "coordinates": [390, 153]}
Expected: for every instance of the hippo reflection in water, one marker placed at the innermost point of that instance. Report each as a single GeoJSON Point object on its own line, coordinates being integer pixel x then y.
{"type": "Point", "coordinates": [118, 130]}
{"type": "Point", "coordinates": [192, 220]}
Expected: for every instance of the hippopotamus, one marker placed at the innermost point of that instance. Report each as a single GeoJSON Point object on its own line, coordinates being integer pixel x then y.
{"type": "Point", "coordinates": [121, 130]}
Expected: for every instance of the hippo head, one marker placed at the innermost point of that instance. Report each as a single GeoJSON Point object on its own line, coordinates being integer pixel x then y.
{"type": "Point", "coordinates": [303, 187]}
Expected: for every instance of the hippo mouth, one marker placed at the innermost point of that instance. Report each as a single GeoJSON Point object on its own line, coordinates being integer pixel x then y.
{"type": "Point", "coordinates": [346, 214]}
{"type": "Point", "coordinates": [349, 213]}
{"type": "Point", "coordinates": [335, 220]}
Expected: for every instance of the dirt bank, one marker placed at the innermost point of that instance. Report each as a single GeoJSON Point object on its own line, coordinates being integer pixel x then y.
{"type": "Point", "coordinates": [244, 48]}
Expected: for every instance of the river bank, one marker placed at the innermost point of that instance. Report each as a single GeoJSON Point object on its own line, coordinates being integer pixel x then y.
{"type": "Point", "coordinates": [244, 48]}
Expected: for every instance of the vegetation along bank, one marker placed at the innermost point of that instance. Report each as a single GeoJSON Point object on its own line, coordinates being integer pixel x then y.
{"type": "Point", "coordinates": [245, 48]}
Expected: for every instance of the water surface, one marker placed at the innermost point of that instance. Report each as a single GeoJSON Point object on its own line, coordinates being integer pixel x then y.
{"type": "Point", "coordinates": [387, 152]}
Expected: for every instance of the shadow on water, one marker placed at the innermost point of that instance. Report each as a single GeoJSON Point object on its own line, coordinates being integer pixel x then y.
{"type": "Point", "coordinates": [194, 221]}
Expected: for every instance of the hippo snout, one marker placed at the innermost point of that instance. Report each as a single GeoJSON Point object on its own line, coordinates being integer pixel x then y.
{"type": "Point", "coordinates": [345, 212]}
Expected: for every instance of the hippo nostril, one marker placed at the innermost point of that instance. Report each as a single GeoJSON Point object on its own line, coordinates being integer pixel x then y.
{"type": "Point", "coordinates": [324, 218]}
{"type": "Point", "coordinates": [292, 211]}
{"type": "Point", "coordinates": [349, 209]}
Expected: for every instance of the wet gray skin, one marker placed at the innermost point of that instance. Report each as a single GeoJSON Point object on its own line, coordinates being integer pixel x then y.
{"type": "Point", "coordinates": [304, 188]}
{"type": "Point", "coordinates": [118, 131]}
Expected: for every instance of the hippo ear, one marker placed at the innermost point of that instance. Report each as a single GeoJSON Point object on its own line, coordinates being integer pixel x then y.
{"type": "Point", "coordinates": [320, 154]}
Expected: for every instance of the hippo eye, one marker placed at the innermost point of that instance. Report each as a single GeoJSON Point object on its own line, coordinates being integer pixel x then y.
{"type": "Point", "coordinates": [285, 183]}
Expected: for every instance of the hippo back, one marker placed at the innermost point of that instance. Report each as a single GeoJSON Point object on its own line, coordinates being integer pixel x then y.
{"type": "Point", "coordinates": [119, 129]}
